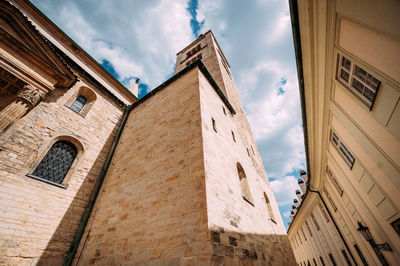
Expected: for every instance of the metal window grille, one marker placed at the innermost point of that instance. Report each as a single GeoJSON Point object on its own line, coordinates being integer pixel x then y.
{"type": "Point", "coordinates": [56, 163]}
{"type": "Point", "coordinates": [78, 104]}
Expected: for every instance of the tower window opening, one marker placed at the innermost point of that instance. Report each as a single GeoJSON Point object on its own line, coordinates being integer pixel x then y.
{"type": "Point", "coordinates": [214, 125]}
{"type": "Point", "coordinates": [248, 152]}
{"type": "Point", "coordinates": [270, 212]}
{"type": "Point", "coordinates": [223, 109]}
{"type": "Point", "coordinates": [78, 104]}
{"type": "Point", "coordinates": [244, 185]}
{"type": "Point", "coordinates": [233, 136]}
{"type": "Point", "coordinates": [252, 149]}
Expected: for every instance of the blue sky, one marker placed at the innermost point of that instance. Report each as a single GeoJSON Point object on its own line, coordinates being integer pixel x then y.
{"type": "Point", "coordinates": [139, 39]}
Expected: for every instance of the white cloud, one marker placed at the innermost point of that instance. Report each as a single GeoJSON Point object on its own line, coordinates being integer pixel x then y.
{"type": "Point", "coordinates": [140, 39]}
{"type": "Point", "coordinates": [284, 190]}
{"type": "Point", "coordinates": [286, 214]}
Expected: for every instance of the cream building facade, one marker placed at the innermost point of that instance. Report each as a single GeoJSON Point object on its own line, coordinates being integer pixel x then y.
{"type": "Point", "coordinates": [348, 56]}
{"type": "Point", "coordinates": [89, 174]}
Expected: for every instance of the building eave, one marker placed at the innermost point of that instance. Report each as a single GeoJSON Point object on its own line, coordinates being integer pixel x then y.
{"type": "Point", "coordinates": [294, 17]}
{"type": "Point", "coordinates": [74, 48]}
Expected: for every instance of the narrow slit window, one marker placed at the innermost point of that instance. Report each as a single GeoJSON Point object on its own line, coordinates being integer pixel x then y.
{"type": "Point", "coordinates": [55, 164]}
{"type": "Point", "coordinates": [248, 152]}
{"type": "Point", "coordinates": [233, 136]}
{"type": "Point", "coordinates": [214, 125]}
{"type": "Point", "coordinates": [252, 149]}
{"type": "Point", "coordinates": [78, 104]}
{"type": "Point", "coordinates": [244, 185]}
{"type": "Point", "coordinates": [223, 109]}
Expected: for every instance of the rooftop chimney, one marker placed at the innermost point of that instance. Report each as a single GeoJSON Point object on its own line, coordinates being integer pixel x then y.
{"type": "Point", "coordinates": [135, 88]}
{"type": "Point", "coordinates": [294, 209]}
{"type": "Point", "coordinates": [298, 194]}
{"type": "Point", "coordinates": [302, 185]}
{"type": "Point", "coordinates": [304, 176]}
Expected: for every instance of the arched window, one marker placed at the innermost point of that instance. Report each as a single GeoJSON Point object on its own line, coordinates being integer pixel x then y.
{"type": "Point", "coordinates": [244, 185]}
{"type": "Point", "coordinates": [56, 163]}
{"type": "Point", "coordinates": [79, 103]}
{"type": "Point", "coordinates": [270, 212]}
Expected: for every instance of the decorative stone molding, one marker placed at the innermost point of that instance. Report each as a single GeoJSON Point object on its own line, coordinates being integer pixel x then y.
{"type": "Point", "coordinates": [30, 95]}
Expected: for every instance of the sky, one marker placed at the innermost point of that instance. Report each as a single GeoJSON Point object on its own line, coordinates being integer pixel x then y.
{"type": "Point", "coordinates": [139, 39]}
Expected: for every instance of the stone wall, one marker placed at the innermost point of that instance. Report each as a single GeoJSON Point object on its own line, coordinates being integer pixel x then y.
{"type": "Point", "coordinates": [152, 208]}
{"type": "Point", "coordinates": [248, 233]}
{"type": "Point", "coordinates": [38, 220]}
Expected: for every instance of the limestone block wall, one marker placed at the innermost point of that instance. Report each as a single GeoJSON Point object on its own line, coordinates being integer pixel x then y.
{"type": "Point", "coordinates": [152, 208]}
{"type": "Point", "coordinates": [38, 220]}
{"type": "Point", "coordinates": [229, 215]}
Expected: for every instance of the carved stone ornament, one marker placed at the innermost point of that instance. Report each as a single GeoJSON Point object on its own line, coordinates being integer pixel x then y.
{"type": "Point", "coordinates": [30, 95]}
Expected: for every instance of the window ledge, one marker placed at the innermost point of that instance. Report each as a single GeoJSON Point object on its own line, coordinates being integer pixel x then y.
{"type": "Point", "coordinates": [46, 181]}
{"type": "Point", "coordinates": [74, 111]}
{"type": "Point", "coordinates": [248, 201]}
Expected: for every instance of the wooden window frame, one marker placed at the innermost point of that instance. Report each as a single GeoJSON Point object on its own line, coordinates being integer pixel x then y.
{"type": "Point", "coordinates": [352, 78]}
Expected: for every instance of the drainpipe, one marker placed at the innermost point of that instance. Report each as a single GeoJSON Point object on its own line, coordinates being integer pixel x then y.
{"type": "Point", "coordinates": [334, 223]}
{"type": "Point", "coordinates": [85, 217]}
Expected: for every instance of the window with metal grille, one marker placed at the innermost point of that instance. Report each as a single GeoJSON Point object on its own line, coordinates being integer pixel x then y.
{"type": "Point", "coordinates": [343, 150]}
{"type": "Point", "coordinates": [56, 163]}
{"type": "Point", "coordinates": [78, 104]}
{"type": "Point", "coordinates": [358, 81]}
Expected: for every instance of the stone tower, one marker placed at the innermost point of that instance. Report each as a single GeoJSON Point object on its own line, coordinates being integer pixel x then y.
{"type": "Point", "coordinates": [186, 185]}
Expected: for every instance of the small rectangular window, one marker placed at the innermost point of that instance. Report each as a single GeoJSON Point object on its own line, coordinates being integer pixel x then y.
{"type": "Point", "coordinates": [309, 229]}
{"type": "Point", "coordinates": [334, 181]}
{"type": "Point", "coordinates": [342, 148]}
{"type": "Point", "coordinates": [358, 81]}
{"type": "Point", "coordinates": [330, 200]}
{"type": "Point", "coordinates": [305, 238]}
{"type": "Point", "coordinates": [346, 257]}
{"type": "Point", "coordinates": [315, 222]}
{"type": "Point", "coordinates": [332, 259]}
{"type": "Point", "coordinates": [324, 212]}
{"type": "Point", "coordinates": [396, 226]}
{"type": "Point", "coordinates": [322, 261]}
{"type": "Point", "coordinates": [364, 261]}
